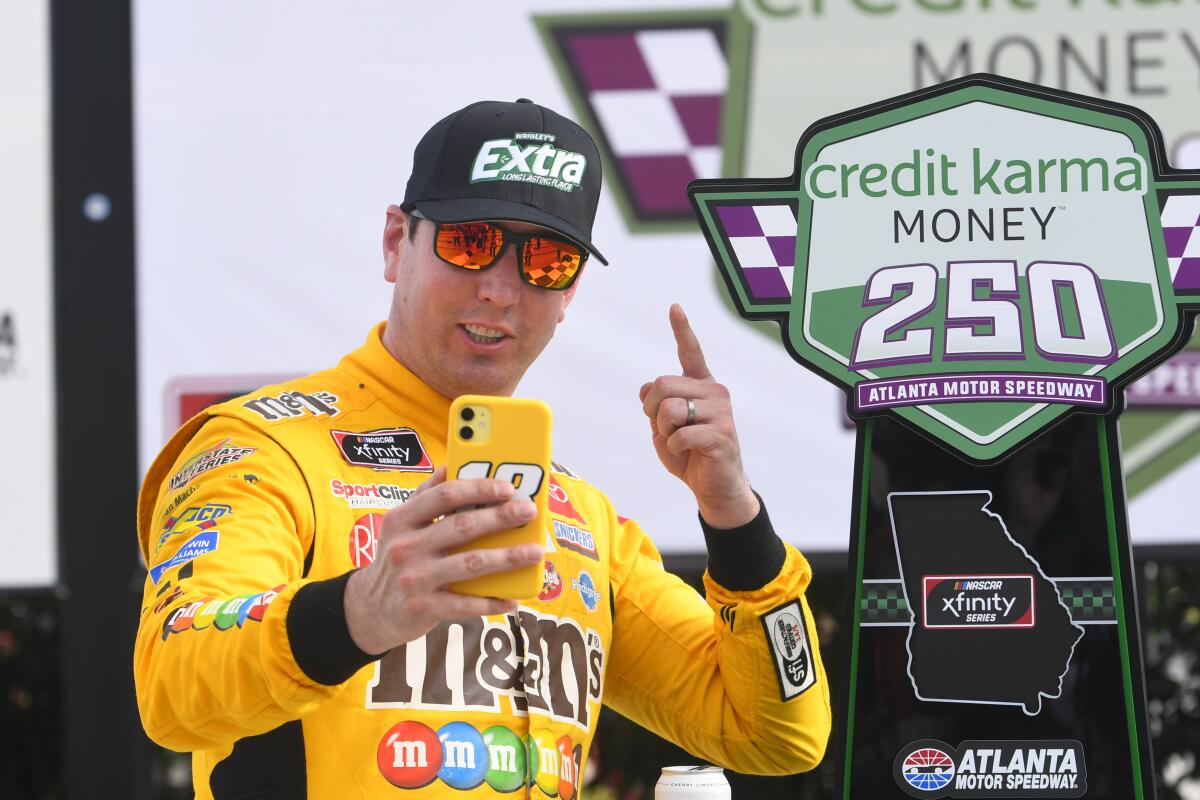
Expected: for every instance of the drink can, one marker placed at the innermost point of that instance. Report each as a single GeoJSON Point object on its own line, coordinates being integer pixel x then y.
{"type": "Point", "coordinates": [692, 783]}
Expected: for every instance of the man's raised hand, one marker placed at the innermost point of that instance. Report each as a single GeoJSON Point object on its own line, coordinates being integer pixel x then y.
{"type": "Point", "coordinates": [704, 453]}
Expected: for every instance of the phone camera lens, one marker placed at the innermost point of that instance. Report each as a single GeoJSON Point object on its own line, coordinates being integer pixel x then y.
{"type": "Point", "coordinates": [468, 414]}
{"type": "Point", "coordinates": [466, 432]}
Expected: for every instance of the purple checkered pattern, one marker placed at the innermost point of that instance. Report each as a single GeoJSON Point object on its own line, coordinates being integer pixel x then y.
{"type": "Point", "coordinates": [657, 97]}
{"type": "Point", "coordinates": [1180, 221]}
{"type": "Point", "coordinates": [763, 240]}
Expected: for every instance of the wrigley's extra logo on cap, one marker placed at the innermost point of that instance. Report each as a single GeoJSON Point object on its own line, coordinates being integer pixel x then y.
{"type": "Point", "coordinates": [529, 158]}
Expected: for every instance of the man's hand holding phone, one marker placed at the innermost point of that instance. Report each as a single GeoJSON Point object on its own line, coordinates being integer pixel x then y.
{"type": "Point", "coordinates": [405, 591]}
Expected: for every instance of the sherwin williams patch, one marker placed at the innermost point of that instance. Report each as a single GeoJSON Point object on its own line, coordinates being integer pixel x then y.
{"type": "Point", "coordinates": [198, 545]}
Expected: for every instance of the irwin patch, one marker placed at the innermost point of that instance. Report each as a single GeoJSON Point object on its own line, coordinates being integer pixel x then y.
{"type": "Point", "coordinates": [198, 545]}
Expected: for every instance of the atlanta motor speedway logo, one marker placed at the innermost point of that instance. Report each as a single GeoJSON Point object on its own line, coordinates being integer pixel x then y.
{"type": "Point", "coordinates": [984, 768]}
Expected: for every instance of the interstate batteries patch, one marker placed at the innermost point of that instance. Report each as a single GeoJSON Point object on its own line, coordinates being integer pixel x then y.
{"type": "Point", "coordinates": [787, 638]}
{"type": "Point", "coordinates": [216, 456]}
{"type": "Point", "coordinates": [389, 448]}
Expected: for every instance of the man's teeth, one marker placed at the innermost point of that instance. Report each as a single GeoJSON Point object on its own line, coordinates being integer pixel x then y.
{"type": "Point", "coordinates": [483, 335]}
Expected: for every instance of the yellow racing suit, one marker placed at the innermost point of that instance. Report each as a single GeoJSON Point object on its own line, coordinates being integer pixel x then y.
{"type": "Point", "coordinates": [254, 515]}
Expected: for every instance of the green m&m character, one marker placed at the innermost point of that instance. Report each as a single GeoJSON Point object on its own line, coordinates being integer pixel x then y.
{"type": "Point", "coordinates": [506, 759]}
{"type": "Point", "coordinates": [227, 617]}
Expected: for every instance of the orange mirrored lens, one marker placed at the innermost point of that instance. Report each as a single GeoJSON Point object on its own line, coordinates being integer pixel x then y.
{"type": "Point", "coordinates": [550, 263]}
{"type": "Point", "coordinates": [473, 245]}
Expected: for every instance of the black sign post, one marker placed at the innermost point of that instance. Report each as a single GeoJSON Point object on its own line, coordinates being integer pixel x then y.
{"type": "Point", "coordinates": [982, 267]}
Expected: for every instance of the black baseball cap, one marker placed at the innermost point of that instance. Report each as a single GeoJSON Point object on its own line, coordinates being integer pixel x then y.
{"type": "Point", "coordinates": [508, 161]}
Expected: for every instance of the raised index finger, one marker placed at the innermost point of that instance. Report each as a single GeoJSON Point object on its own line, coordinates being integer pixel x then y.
{"type": "Point", "coordinates": [691, 357]}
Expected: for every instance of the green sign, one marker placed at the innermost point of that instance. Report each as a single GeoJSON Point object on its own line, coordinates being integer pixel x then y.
{"type": "Point", "coordinates": [979, 262]}
{"type": "Point", "coordinates": [989, 264]}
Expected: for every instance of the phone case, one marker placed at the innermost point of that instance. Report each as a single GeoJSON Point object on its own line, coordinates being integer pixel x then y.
{"type": "Point", "coordinates": [506, 438]}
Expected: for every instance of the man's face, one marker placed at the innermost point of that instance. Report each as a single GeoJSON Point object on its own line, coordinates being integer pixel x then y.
{"type": "Point", "coordinates": [439, 311]}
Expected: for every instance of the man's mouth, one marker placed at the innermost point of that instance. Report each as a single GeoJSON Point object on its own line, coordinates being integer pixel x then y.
{"type": "Point", "coordinates": [482, 335]}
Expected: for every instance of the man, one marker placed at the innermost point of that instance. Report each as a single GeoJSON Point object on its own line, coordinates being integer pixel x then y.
{"type": "Point", "coordinates": [298, 634]}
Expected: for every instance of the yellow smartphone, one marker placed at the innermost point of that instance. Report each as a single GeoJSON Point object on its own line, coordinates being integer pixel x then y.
{"type": "Point", "coordinates": [507, 438]}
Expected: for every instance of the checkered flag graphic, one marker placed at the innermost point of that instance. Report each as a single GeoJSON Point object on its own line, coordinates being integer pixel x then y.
{"type": "Point", "coordinates": [1180, 221]}
{"type": "Point", "coordinates": [762, 241]}
{"type": "Point", "coordinates": [883, 603]}
{"type": "Point", "coordinates": [656, 91]}
{"type": "Point", "coordinates": [1089, 601]}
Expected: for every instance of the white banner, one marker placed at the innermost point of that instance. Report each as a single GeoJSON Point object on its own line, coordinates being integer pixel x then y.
{"type": "Point", "coordinates": [27, 422]}
{"type": "Point", "coordinates": [271, 138]}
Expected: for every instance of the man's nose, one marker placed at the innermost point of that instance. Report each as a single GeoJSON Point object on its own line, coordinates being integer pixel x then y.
{"type": "Point", "coordinates": [501, 283]}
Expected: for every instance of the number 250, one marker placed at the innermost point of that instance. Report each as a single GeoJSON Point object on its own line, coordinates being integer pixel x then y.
{"type": "Point", "coordinates": [964, 312]}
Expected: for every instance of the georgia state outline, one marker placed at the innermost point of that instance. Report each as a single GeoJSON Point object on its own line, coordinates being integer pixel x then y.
{"type": "Point", "coordinates": [988, 625]}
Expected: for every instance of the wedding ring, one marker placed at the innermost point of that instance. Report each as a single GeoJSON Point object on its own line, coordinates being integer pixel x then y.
{"type": "Point", "coordinates": [691, 415]}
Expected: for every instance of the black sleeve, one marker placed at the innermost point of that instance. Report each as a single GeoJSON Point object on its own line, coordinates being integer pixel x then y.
{"type": "Point", "coordinates": [746, 558]}
{"type": "Point", "coordinates": [320, 638]}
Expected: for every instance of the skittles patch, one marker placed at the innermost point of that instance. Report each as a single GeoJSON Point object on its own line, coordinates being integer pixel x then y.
{"type": "Point", "coordinates": [219, 613]}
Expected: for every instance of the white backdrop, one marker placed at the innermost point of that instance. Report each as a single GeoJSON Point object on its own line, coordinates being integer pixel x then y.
{"type": "Point", "coordinates": [270, 138]}
{"type": "Point", "coordinates": [28, 556]}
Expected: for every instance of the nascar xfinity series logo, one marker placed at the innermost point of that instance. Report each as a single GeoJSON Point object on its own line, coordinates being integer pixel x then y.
{"type": "Point", "coordinates": [980, 601]}
{"type": "Point", "coordinates": [393, 448]}
{"type": "Point", "coordinates": [982, 768]}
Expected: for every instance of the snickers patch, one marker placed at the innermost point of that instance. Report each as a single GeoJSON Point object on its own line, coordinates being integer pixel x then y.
{"type": "Point", "coordinates": [574, 538]}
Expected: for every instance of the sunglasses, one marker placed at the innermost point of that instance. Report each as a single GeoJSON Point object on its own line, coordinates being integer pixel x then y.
{"type": "Point", "coordinates": [544, 261]}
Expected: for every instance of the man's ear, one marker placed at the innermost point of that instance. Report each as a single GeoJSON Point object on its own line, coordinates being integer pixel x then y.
{"type": "Point", "coordinates": [395, 239]}
{"type": "Point", "coordinates": [568, 296]}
